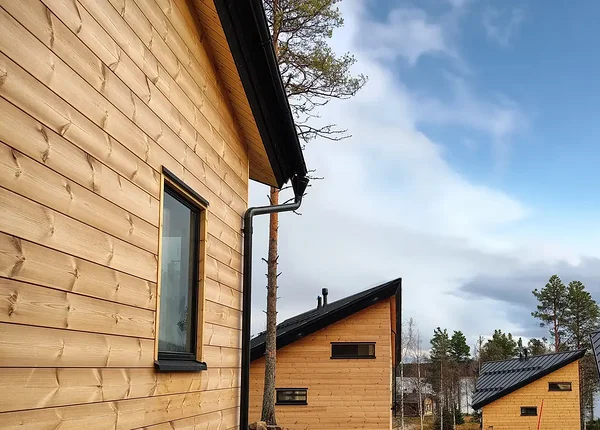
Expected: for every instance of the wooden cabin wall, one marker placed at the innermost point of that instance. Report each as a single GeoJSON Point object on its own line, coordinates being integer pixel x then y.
{"type": "Point", "coordinates": [96, 96]}
{"type": "Point", "coordinates": [561, 409]}
{"type": "Point", "coordinates": [342, 394]}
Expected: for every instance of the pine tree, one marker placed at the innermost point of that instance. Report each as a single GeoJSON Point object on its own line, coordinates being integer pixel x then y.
{"type": "Point", "coordinates": [500, 347]}
{"type": "Point", "coordinates": [537, 347]}
{"type": "Point", "coordinates": [551, 308]}
{"type": "Point", "coordinates": [459, 349]}
{"type": "Point", "coordinates": [312, 75]}
{"type": "Point", "coordinates": [580, 320]}
{"type": "Point", "coordinates": [581, 315]}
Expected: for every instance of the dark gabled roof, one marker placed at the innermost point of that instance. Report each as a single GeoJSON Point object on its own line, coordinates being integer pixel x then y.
{"type": "Point", "coordinates": [595, 341]}
{"type": "Point", "coordinates": [309, 322]}
{"type": "Point", "coordinates": [245, 27]}
{"type": "Point", "coordinates": [499, 378]}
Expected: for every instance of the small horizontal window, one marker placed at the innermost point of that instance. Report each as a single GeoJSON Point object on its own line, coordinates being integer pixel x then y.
{"type": "Point", "coordinates": [353, 350]}
{"type": "Point", "coordinates": [528, 411]}
{"type": "Point", "coordinates": [559, 386]}
{"type": "Point", "coordinates": [292, 396]}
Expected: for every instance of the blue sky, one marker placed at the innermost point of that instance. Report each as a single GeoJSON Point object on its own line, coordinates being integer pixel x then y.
{"type": "Point", "coordinates": [471, 167]}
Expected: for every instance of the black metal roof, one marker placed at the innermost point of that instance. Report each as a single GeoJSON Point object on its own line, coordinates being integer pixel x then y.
{"type": "Point", "coordinates": [595, 341]}
{"type": "Point", "coordinates": [309, 322]}
{"type": "Point", "coordinates": [245, 27]}
{"type": "Point", "coordinates": [499, 378]}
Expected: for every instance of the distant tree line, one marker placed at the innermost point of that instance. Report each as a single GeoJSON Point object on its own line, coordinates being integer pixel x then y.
{"type": "Point", "coordinates": [570, 314]}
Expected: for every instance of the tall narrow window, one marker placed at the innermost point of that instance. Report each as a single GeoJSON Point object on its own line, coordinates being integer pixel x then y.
{"type": "Point", "coordinates": [179, 280]}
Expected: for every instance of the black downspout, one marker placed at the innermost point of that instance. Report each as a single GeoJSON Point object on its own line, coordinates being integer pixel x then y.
{"type": "Point", "coordinates": [299, 185]}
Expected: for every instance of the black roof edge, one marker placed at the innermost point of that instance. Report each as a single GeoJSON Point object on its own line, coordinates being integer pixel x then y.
{"type": "Point", "coordinates": [579, 354]}
{"type": "Point", "coordinates": [388, 290]}
{"type": "Point", "coordinates": [245, 26]}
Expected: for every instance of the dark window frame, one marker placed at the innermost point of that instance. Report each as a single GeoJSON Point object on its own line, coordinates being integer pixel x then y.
{"type": "Point", "coordinates": [557, 388]}
{"type": "Point", "coordinates": [185, 361]}
{"type": "Point", "coordinates": [352, 357]}
{"type": "Point", "coordinates": [291, 402]}
{"type": "Point", "coordinates": [526, 411]}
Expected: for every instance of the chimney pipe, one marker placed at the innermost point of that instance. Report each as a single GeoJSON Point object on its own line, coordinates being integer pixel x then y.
{"type": "Point", "coordinates": [325, 292]}
{"type": "Point", "coordinates": [319, 302]}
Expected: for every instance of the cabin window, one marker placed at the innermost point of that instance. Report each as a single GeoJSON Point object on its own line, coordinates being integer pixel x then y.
{"type": "Point", "coordinates": [292, 396]}
{"type": "Point", "coordinates": [353, 350]}
{"type": "Point", "coordinates": [559, 386]}
{"type": "Point", "coordinates": [528, 411]}
{"type": "Point", "coordinates": [180, 277]}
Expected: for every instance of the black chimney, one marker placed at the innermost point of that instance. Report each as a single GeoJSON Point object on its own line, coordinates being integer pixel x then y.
{"type": "Point", "coordinates": [325, 291]}
{"type": "Point", "coordinates": [525, 352]}
{"type": "Point", "coordinates": [319, 302]}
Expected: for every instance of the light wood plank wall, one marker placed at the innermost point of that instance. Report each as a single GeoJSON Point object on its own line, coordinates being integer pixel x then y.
{"type": "Point", "coordinates": [96, 96]}
{"type": "Point", "coordinates": [342, 394]}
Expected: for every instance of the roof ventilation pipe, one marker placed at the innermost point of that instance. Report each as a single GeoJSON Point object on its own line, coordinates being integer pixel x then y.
{"type": "Point", "coordinates": [325, 292]}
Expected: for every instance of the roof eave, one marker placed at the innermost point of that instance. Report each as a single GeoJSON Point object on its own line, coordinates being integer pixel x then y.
{"type": "Point", "coordinates": [549, 370]}
{"type": "Point", "coordinates": [245, 27]}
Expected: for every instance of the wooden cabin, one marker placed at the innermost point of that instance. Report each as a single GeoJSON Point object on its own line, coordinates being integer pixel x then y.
{"type": "Point", "coordinates": [539, 392]}
{"type": "Point", "coordinates": [335, 363]}
{"type": "Point", "coordinates": [411, 404]}
{"type": "Point", "coordinates": [129, 131]}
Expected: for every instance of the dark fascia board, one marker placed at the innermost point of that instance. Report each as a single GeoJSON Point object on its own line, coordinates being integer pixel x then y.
{"type": "Point", "coordinates": [247, 33]}
{"type": "Point", "coordinates": [312, 326]}
{"type": "Point", "coordinates": [529, 380]}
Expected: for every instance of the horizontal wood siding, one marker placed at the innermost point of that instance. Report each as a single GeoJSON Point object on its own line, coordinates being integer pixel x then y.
{"type": "Point", "coordinates": [341, 393]}
{"type": "Point", "coordinates": [96, 96]}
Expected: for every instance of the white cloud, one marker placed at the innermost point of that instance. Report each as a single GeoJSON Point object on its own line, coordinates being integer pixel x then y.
{"type": "Point", "coordinates": [391, 205]}
{"type": "Point", "coordinates": [408, 33]}
{"type": "Point", "coordinates": [502, 27]}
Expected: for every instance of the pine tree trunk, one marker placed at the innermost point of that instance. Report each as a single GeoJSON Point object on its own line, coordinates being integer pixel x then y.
{"type": "Point", "coordinates": [402, 392]}
{"type": "Point", "coordinates": [442, 393]}
{"type": "Point", "coordinates": [556, 335]}
{"type": "Point", "coordinates": [419, 388]}
{"type": "Point", "coordinates": [268, 407]}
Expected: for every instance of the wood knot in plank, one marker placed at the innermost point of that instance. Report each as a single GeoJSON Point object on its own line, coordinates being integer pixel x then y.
{"type": "Point", "coordinates": [104, 78]}
{"type": "Point", "coordinates": [68, 188]}
{"type": "Point", "coordinates": [12, 299]}
{"type": "Point", "coordinates": [130, 221]}
{"type": "Point", "coordinates": [16, 268]}
{"type": "Point", "coordinates": [18, 245]}
{"type": "Point", "coordinates": [61, 350]}
{"type": "Point", "coordinates": [52, 31]}
{"type": "Point", "coordinates": [111, 253]}
{"type": "Point", "coordinates": [80, 26]}
{"type": "Point", "coordinates": [3, 75]}
{"type": "Point", "coordinates": [15, 156]}
{"type": "Point", "coordinates": [113, 66]}
{"type": "Point", "coordinates": [63, 130]}
{"type": "Point", "coordinates": [75, 274]}
{"type": "Point", "coordinates": [135, 174]}
{"type": "Point", "coordinates": [122, 11]}
{"type": "Point", "coordinates": [134, 114]}
{"type": "Point", "coordinates": [104, 120]}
